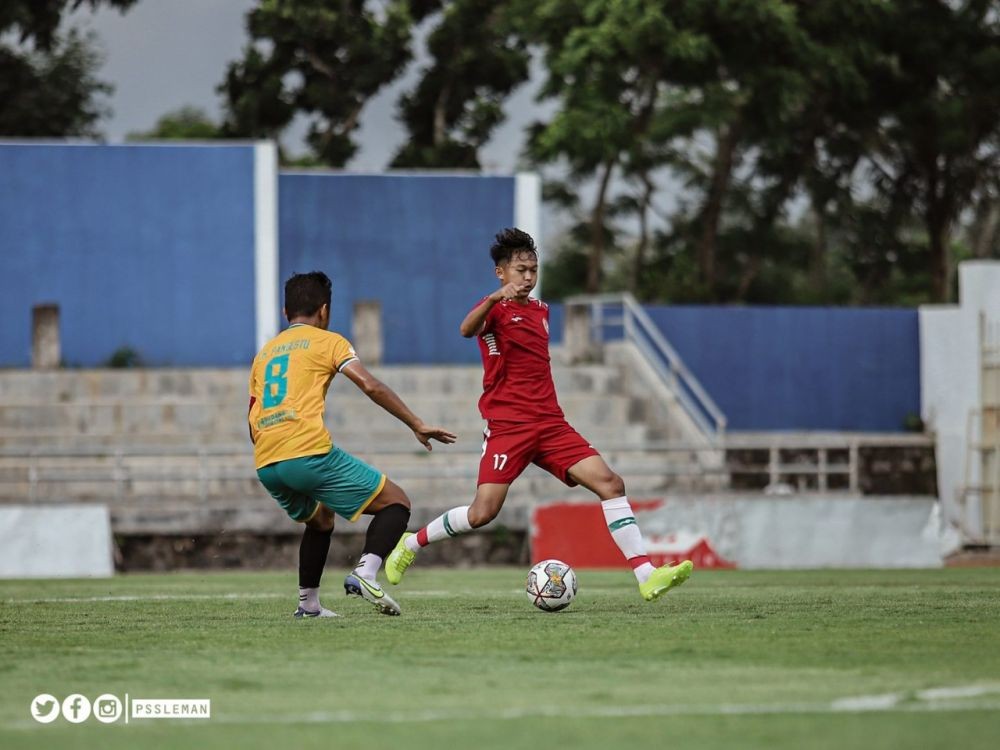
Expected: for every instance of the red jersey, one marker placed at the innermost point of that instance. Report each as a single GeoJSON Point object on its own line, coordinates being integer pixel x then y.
{"type": "Point", "coordinates": [517, 373]}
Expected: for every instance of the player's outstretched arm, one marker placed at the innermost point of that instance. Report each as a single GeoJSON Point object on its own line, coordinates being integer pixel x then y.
{"type": "Point", "coordinates": [473, 322]}
{"type": "Point", "coordinates": [385, 397]}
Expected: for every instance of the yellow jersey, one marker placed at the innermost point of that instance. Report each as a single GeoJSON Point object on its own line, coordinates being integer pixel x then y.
{"type": "Point", "coordinates": [288, 384]}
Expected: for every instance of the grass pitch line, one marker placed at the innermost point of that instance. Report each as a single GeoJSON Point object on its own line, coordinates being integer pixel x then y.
{"type": "Point", "coordinates": [144, 598]}
{"type": "Point", "coordinates": [889, 701]}
{"type": "Point", "coordinates": [233, 596]}
{"type": "Point", "coordinates": [947, 699]}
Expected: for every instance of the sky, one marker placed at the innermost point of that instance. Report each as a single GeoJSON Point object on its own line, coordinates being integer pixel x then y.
{"type": "Point", "coordinates": [165, 54]}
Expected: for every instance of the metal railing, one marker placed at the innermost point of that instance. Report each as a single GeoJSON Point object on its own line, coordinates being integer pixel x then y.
{"type": "Point", "coordinates": [621, 317]}
{"type": "Point", "coordinates": [819, 461]}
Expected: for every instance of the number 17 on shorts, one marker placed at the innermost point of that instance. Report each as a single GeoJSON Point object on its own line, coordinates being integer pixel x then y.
{"type": "Point", "coordinates": [505, 455]}
{"type": "Point", "coordinates": [492, 464]}
{"type": "Point", "coordinates": [553, 445]}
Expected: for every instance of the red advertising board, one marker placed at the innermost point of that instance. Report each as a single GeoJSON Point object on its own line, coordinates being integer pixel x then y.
{"type": "Point", "coordinates": [576, 533]}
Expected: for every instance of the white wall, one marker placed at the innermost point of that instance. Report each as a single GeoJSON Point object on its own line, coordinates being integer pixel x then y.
{"type": "Point", "coordinates": [55, 541]}
{"type": "Point", "coordinates": [950, 376]}
{"type": "Point", "coordinates": [802, 532]}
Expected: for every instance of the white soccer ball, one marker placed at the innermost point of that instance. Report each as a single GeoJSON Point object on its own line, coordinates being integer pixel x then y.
{"type": "Point", "coordinates": [551, 585]}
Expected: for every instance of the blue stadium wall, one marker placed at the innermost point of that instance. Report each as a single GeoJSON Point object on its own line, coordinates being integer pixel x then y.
{"type": "Point", "coordinates": [153, 248]}
{"type": "Point", "coordinates": [801, 368]}
{"type": "Point", "coordinates": [147, 247]}
{"type": "Point", "coordinates": [419, 244]}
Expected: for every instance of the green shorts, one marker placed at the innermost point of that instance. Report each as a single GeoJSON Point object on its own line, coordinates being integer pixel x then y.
{"type": "Point", "coordinates": [338, 480]}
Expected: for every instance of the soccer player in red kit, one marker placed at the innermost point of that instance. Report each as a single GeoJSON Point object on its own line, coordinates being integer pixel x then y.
{"type": "Point", "coordinates": [525, 424]}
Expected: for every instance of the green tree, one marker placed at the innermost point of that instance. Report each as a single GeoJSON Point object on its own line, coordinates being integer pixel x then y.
{"type": "Point", "coordinates": [186, 123]}
{"type": "Point", "coordinates": [816, 116]}
{"type": "Point", "coordinates": [606, 66]}
{"type": "Point", "coordinates": [756, 107]}
{"type": "Point", "coordinates": [983, 230]}
{"type": "Point", "coordinates": [940, 130]}
{"type": "Point", "coordinates": [48, 82]}
{"type": "Point", "coordinates": [893, 109]}
{"type": "Point", "coordinates": [864, 107]}
{"type": "Point", "coordinates": [321, 60]}
{"type": "Point", "coordinates": [52, 92]}
{"type": "Point", "coordinates": [643, 86]}
{"type": "Point", "coordinates": [38, 21]}
{"type": "Point", "coordinates": [479, 56]}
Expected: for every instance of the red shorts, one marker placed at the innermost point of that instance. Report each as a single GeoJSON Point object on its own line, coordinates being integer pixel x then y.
{"type": "Point", "coordinates": [509, 447]}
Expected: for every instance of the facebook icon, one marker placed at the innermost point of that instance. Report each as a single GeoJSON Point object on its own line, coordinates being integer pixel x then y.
{"type": "Point", "coordinates": [76, 708]}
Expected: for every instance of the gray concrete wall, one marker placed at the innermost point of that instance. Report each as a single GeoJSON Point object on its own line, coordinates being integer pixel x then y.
{"type": "Point", "coordinates": [75, 539]}
{"type": "Point", "coordinates": [805, 531]}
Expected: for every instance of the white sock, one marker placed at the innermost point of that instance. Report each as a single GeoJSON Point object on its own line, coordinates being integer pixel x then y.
{"type": "Point", "coordinates": [309, 599]}
{"type": "Point", "coordinates": [452, 523]}
{"type": "Point", "coordinates": [368, 566]}
{"type": "Point", "coordinates": [625, 531]}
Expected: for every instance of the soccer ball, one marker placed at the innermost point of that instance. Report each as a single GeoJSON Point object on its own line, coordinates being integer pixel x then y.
{"type": "Point", "coordinates": [551, 585]}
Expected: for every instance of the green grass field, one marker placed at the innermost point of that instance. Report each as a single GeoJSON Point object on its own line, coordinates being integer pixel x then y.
{"type": "Point", "coordinates": [732, 659]}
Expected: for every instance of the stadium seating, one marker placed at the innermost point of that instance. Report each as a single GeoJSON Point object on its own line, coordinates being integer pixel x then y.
{"type": "Point", "coordinates": [167, 449]}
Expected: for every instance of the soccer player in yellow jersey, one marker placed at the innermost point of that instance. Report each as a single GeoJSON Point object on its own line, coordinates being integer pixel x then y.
{"type": "Point", "coordinates": [296, 460]}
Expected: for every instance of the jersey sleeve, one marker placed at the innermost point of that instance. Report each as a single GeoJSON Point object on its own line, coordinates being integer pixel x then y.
{"type": "Point", "coordinates": [254, 385]}
{"type": "Point", "coordinates": [256, 388]}
{"type": "Point", "coordinates": [489, 322]}
{"type": "Point", "coordinates": [343, 352]}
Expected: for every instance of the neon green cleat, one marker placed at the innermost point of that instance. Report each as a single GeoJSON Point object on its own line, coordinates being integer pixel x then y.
{"type": "Point", "coordinates": [665, 578]}
{"type": "Point", "coordinates": [399, 560]}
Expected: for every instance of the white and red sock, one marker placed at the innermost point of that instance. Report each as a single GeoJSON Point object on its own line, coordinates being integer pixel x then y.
{"type": "Point", "coordinates": [445, 526]}
{"type": "Point", "coordinates": [625, 531]}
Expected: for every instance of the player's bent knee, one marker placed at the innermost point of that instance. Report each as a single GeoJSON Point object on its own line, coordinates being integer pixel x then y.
{"type": "Point", "coordinates": [322, 521]}
{"type": "Point", "coordinates": [481, 516]}
{"type": "Point", "coordinates": [400, 499]}
{"type": "Point", "coordinates": [391, 494]}
{"type": "Point", "coordinates": [608, 486]}
{"type": "Point", "coordinates": [615, 485]}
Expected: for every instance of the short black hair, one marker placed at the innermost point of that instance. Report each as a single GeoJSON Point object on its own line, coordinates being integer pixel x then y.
{"type": "Point", "coordinates": [306, 293]}
{"type": "Point", "coordinates": [510, 241]}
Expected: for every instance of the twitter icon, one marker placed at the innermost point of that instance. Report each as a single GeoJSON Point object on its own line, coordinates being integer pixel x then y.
{"type": "Point", "coordinates": [44, 708]}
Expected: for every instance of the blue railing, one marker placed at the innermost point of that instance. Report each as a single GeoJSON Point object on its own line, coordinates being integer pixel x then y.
{"type": "Point", "coordinates": [618, 317]}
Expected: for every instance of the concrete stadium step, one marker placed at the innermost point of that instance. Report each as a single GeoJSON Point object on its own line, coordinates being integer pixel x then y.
{"type": "Point", "coordinates": [175, 384]}
{"type": "Point", "coordinates": [446, 459]}
{"type": "Point", "coordinates": [394, 437]}
{"type": "Point", "coordinates": [230, 418]}
{"type": "Point", "coordinates": [92, 487]}
{"type": "Point", "coordinates": [254, 510]}
{"type": "Point", "coordinates": [400, 440]}
{"type": "Point", "coordinates": [183, 469]}
{"type": "Point", "coordinates": [463, 415]}
{"type": "Point", "coordinates": [24, 443]}
{"type": "Point", "coordinates": [168, 450]}
{"type": "Point", "coordinates": [254, 514]}
{"type": "Point", "coordinates": [181, 461]}
{"type": "Point", "coordinates": [88, 485]}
